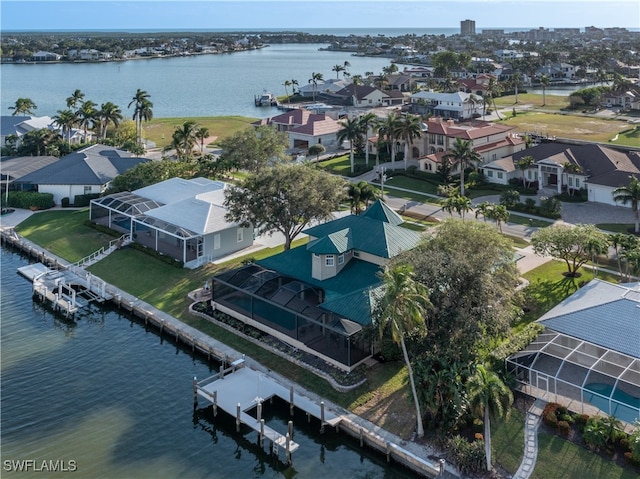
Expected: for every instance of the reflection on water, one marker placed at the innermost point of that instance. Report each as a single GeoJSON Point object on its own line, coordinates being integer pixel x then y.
{"type": "Point", "coordinates": [103, 391]}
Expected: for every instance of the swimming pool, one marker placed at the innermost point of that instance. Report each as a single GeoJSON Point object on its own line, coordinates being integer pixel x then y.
{"type": "Point", "coordinates": [626, 408]}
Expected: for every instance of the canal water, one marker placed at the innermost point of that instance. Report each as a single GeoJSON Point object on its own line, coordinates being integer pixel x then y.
{"type": "Point", "coordinates": [199, 85]}
{"type": "Point", "coordinates": [105, 396]}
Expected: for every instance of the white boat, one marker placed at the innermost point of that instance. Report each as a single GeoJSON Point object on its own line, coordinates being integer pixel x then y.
{"type": "Point", "coordinates": [266, 99]}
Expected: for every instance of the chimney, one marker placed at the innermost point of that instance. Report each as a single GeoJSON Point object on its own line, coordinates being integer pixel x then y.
{"type": "Point", "coordinates": [450, 122]}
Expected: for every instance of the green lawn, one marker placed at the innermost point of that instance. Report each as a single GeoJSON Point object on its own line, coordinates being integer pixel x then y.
{"type": "Point", "coordinates": [561, 459]}
{"type": "Point", "coordinates": [548, 287]}
{"type": "Point", "coordinates": [551, 102]}
{"type": "Point", "coordinates": [412, 184]}
{"type": "Point", "coordinates": [341, 165]}
{"type": "Point", "coordinates": [616, 227]}
{"type": "Point", "coordinates": [161, 130]}
{"type": "Point", "coordinates": [557, 457]}
{"type": "Point", "coordinates": [524, 220]}
{"type": "Point", "coordinates": [64, 233]}
{"type": "Point", "coordinates": [507, 438]}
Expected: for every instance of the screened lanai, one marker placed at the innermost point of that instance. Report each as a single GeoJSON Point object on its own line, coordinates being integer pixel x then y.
{"type": "Point", "coordinates": [290, 309]}
{"type": "Point", "coordinates": [561, 368]}
{"type": "Point", "coordinates": [117, 210]}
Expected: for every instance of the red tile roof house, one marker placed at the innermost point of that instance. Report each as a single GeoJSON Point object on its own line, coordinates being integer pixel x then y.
{"type": "Point", "coordinates": [490, 140]}
{"type": "Point", "coordinates": [305, 129]}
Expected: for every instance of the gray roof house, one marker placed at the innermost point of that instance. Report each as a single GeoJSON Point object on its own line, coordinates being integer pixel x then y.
{"type": "Point", "coordinates": [600, 169]}
{"type": "Point", "coordinates": [86, 171]}
{"type": "Point", "coordinates": [588, 355]}
{"type": "Point", "coordinates": [184, 219]}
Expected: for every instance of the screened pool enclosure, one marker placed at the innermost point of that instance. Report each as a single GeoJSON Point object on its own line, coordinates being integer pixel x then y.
{"type": "Point", "coordinates": [556, 366]}
{"type": "Point", "coordinates": [290, 310]}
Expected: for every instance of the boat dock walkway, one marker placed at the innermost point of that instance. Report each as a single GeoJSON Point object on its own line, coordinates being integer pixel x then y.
{"type": "Point", "coordinates": [239, 389]}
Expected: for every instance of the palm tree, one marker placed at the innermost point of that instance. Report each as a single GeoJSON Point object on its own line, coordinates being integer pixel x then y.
{"type": "Point", "coordinates": [360, 193]}
{"type": "Point", "coordinates": [630, 194]}
{"type": "Point", "coordinates": [524, 163]}
{"type": "Point", "coordinates": [488, 396]}
{"type": "Point", "coordinates": [516, 78]}
{"type": "Point", "coordinates": [286, 85]}
{"type": "Point", "coordinates": [351, 131]}
{"type": "Point", "coordinates": [462, 153]}
{"type": "Point", "coordinates": [87, 116]}
{"type": "Point", "coordinates": [337, 69]}
{"type": "Point", "coordinates": [367, 120]}
{"type": "Point", "coordinates": [493, 90]}
{"type": "Point", "coordinates": [544, 83]}
{"type": "Point", "coordinates": [142, 110]}
{"type": "Point", "coordinates": [66, 120]}
{"type": "Point", "coordinates": [39, 140]}
{"type": "Point", "coordinates": [294, 84]}
{"type": "Point", "coordinates": [389, 127]}
{"type": "Point", "coordinates": [184, 139]}
{"type": "Point", "coordinates": [23, 106]}
{"type": "Point", "coordinates": [75, 99]}
{"type": "Point", "coordinates": [346, 66]}
{"type": "Point", "coordinates": [201, 134]}
{"type": "Point", "coordinates": [409, 128]}
{"type": "Point", "coordinates": [315, 78]}
{"type": "Point", "coordinates": [109, 113]}
{"type": "Point", "coordinates": [403, 310]}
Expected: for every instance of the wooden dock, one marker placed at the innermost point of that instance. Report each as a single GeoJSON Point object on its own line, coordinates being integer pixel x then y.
{"type": "Point", "coordinates": [239, 389]}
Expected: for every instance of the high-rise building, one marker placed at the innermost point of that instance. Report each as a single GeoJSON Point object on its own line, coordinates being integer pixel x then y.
{"type": "Point", "coordinates": [467, 28]}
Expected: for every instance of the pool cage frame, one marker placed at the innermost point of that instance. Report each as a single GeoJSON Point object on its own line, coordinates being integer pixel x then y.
{"type": "Point", "coordinates": [556, 365]}
{"type": "Point", "coordinates": [289, 309]}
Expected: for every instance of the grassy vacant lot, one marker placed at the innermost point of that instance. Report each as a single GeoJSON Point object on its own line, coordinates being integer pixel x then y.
{"type": "Point", "coordinates": [574, 126]}
{"type": "Point", "coordinates": [160, 130]}
{"type": "Point", "coordinates": [533, 100]}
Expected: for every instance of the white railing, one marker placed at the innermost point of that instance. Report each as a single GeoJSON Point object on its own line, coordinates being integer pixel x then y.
{"type": "Point", "coordinates": [98, 255]}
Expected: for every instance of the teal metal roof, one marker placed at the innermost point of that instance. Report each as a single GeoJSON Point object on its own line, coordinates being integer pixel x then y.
{"type": "Point", "coordinates": [336, 243]}
{"type": "Point", "coordinates": [357, 306]}
{"type": "Point", "coordinates": [355, 277]}
{"type": "Point", "coordinates": [381, 212]}
{"type": "Point", "coordinates": [361, 233]}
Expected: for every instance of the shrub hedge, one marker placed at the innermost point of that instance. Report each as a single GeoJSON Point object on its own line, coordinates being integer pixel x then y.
{"type": "Point", "coordinates": [30, 200]}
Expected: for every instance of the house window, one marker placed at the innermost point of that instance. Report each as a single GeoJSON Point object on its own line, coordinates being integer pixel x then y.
{"type": "Point", "coordinates": [529, 174]}
{"type": "Point", "coordinates": [216, 241]}
{"type": "Point", "coordinates": [490, 173]}
{"type": "Point", "coordinates": [341, 258]}
{"type": "Point", "coordinates": [240, 235]}
{"type": "Point", "coordinates": [570, 181]}
{"type": "Point", "coordinates": [330, 260]}
{"type": "Point", "coordinates": [87, 190]}
{"type": "Point", "coordinates": [500, 175]}
{"type": "Point", "coordinates": [494, 157]}
{"type": "Point", "coordinates": [577, 183]}
{"type": "Point", "coordinates": [356, 254]}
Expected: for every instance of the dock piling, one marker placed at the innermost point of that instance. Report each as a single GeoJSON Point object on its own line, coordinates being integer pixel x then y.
{"type": "Point", "coordinates": [259, 414]}
{"type": "Point", "coordinates": [195, 392]}
{"type": "Point", "coordinates": [290, 424]}
{"type": "Point", "coordinates": [288, 446]}
{"type": "Point", "coordinates": [321, 417]}
{"type": "Point", "coordinates": [238, 412]}
{"type": "Point", "coordinates": [291, 404]}
{"type": "Point", "coordinates": [261, 432]}
{"type": "Point", "coordinates": [214, 404]}
{"type": "Point", "coordinates": [361, 433]}
{"type": "Point", "coordinates": [222, 371]}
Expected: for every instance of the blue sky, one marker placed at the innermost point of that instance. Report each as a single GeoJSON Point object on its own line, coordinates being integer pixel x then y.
{"type": "Point", "coordinates": [300, 14]}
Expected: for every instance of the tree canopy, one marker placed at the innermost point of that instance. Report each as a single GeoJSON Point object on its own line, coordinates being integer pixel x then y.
{"type": "Point", "coordinates": [575, 245]}
{"type": "Point", "coordinates": [284, 198]}
{"type": "Point", "coordinates": [254, 148]}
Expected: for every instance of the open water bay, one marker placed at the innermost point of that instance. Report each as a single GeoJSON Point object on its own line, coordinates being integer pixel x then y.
{"type": "Point", "coordinates": [199, 85]}
{"type": "Point", "coordinates": [105, 396]}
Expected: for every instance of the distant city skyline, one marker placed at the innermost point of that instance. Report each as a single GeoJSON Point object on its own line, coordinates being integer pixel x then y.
{"type": "Point", "coordinates": [49, 15]}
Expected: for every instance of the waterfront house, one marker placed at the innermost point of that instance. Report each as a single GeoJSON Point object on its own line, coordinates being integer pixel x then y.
{"type": "Point", "coordinates": [319, 298]}
{"type": "Point", "coordinates": [183, 219]}
{"type": "Point", "coordinates": [596, 168]}
{"type": "Point", "coordinates": [627, 99]}
{"type": "Point", "coordinates": [21, 125]}
{"type": "Point", "coordinates": [588, 356]}
{"type": "Point", "coordinates": [305, 128]}
{"type": "Point", "coordinates": [41, 56]}
{"type": "Point", "coordinates": [84, 172]}
{"type": "Point", "coordinates": [457, 105]}
{"type": "Point", "coordinates": [366, 96]}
